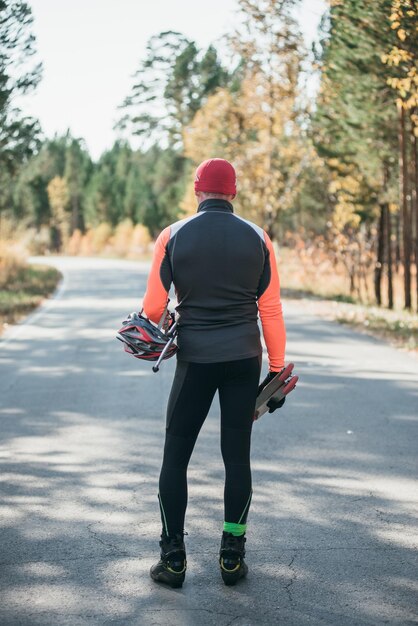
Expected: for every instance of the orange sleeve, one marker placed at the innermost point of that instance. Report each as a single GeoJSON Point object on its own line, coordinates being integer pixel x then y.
{"type": "Point", "coordinates": [271, 315]}
{"type": "Point", "coordinates": [156, 295]}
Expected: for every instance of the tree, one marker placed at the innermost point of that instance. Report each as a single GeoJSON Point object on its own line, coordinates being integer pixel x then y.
{"type": "Point", "coordinates": [255, 124]}
{"type": "Point", "coordinates": [77, 170]}
{"type": "Point", "coordinates": [163, 172]}
{"type": "Point", "coordinates": [18, 134]}
{"type": "Point", "coordinates": [58, 195]}
{"type": "Point", "coordinates": [106, 189]}
{"type": "Point", "coordinates": [354, 128]}
{"type": "Point", "coordinates": [170, 86]}
{"type": "Point", "coordinates": [63, 157]}
{"type": "Point", "coordinates": [30, 198]}
{"type": "Point", "coordinates": [403, 61]}
{"type": "Point", "coordinates": [146, 108]}
{"type": "Point", "coordinates": [271, 47]}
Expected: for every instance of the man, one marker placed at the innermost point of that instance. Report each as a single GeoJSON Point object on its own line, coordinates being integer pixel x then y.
{"type": "Point", "coordinates": [224, 272]}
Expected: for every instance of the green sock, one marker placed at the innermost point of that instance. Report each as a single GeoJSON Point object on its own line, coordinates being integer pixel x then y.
{"type": "Point", "coordinates": [235, 529]}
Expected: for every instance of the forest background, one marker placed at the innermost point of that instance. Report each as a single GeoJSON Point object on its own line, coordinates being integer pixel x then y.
{"type": "Point", "coordinates": [332, 177]}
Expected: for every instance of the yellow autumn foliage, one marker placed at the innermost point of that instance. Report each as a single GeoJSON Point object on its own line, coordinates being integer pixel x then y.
{"type": "Point", "coordinates": [100, 237]}
{"type": "Point", "coordinates": [141, 239]}
{"type": "Point", "coordinates": [404, 18]}
{"type": "Point", "coordinates": [258, 135]}
{"type": "Point", "coordinates": [75, 242]}
{"type": "Point", "coordinates": [122, 239]}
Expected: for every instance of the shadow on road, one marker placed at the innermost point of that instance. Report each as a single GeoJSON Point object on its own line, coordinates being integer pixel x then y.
{"type": "Point", "coordinates": [332, 530]}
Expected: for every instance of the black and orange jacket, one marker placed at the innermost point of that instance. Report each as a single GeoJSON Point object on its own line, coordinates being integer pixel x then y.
{"type": "Point", "coordinates": [224, 273]}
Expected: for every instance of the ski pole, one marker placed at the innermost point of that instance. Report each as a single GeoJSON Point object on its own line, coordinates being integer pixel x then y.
{"type": "Point", "coordinates": [173, 335]}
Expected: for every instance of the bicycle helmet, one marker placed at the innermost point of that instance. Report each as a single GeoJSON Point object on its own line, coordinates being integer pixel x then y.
{"type": "Point", "coordinates": [143, 339]}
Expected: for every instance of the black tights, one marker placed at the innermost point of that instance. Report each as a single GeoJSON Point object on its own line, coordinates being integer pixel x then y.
{"type": "Point", "coordinates": [191, 396]}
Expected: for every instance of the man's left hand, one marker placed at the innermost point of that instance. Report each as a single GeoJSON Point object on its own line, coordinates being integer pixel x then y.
{"type": "Point", "coordinates": [274, 404]}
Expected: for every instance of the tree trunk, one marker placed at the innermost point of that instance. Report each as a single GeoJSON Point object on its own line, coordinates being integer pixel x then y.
{"type": "Point", "coordinates": [414, 203]}
{"type": "Point", "coordinates": [379, 257]}
{"type": "Point", "coordinates": [397, 240]}
{"type": "Point", "coordinates": [406, 222]}
{"type": "Point", "coordinates": [389, 255]}
{"type": "Point", "coordinates": [352, 282]}
{"type": "Point", "coordinates": [74, 214]}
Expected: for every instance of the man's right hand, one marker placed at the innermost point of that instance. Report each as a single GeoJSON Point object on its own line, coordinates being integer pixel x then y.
{"type": "Point", "coordinates": [168, 321]}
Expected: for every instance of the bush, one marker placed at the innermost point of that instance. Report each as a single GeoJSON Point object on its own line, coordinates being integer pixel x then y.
{"type": "Point", "coordinates": [100, 237]}
{"type": "Point", "coordinates": [141, 240]}
{"type": "Point", "coordinates": [75, 242]}
{"type": "Point", "coordinates": [24, 289]}
{"type": "Point", "coordinates": [38, 241]}
{"type": "Point", "coordinates": [122, 239]}
{"type": "Point", "coordinates": [86, 247]}
{"type": "Point", "coordinates": [12, 261]}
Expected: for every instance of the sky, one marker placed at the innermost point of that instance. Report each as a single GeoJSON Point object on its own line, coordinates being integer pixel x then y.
{"type": "Point", "coordinates": [91, 48]}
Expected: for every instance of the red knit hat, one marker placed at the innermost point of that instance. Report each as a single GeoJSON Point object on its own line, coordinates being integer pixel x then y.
{"type": "Point", "coordinates": [216, 176]}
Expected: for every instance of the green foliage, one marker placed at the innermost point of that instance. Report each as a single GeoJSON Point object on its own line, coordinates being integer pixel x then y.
{"type": "Point", "coordinates": [354, 127]}
{"type": "Point", "coordinates": [170, 86]}
{"type": "Point", "coordinates": [106, 191]}
{"type": "Point", "coordinates": [18, 134]}
{"type": "Point", "coordinates": [146, 187]}
{"type": "Point", "coordinates": [156, 187]}
{"type": "Point", "coordinates": [310, 208]}
{"type": "Point", "coordinates": [167, 188]}
{"type": "Point", "coordinates": [77, 170]}
{"type": "Point", "coordinates": [65, 157]}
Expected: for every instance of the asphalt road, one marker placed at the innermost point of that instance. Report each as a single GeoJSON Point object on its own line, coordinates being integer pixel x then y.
{"type": "Point", "coordinates": [332, 533]}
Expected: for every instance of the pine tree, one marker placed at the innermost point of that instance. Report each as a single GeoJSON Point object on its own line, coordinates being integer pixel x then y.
{"type": "Point", "coordinates": [58, 196]}
{"type": "Point", "coordinates": [402, 59]}
{"type": "Point", "coordinates": [77, 169]}
{"type": "Point", "coordinates": [170, 86]}
{"type": "Point", "coordinates": [354, 128]}
{"type": "Point", "coordinates": [148, 113]}
{"type": "Point", "coordinates": [19, 135]}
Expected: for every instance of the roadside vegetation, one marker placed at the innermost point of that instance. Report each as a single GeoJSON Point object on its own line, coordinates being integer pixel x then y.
{"type": "Point", "coordinates": [23, 286]}
{"type": "Point", "coordinates": [322, 288]}
{"type": "Point", "coordinates": [400, 328]}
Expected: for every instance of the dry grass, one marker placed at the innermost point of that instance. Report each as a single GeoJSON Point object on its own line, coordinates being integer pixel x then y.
{"type": "Point", "coordinates": [315, 276]}
{"type": "Point", "coordinates": [301, 274]}
{"type": "Point", "coordinates": [12, 260]}
{"type": "Point", "coordinates": [126, 240]}
{"type": "Point", "coordinates": [400, 328]}
{"type": "Point", "coordinates": [324, 291]}
{"type": "Point", "coordinates": [22, 286]}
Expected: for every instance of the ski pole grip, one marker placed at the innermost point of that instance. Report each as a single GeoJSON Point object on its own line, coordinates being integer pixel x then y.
{"type": "Point", "coordinates": [156, 367]}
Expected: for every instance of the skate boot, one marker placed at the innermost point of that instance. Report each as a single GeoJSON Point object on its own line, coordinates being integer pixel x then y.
{"type": "Point", "coordinates": [231, 558]}
{"type": "Point", "coordinates": [171, 568]}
